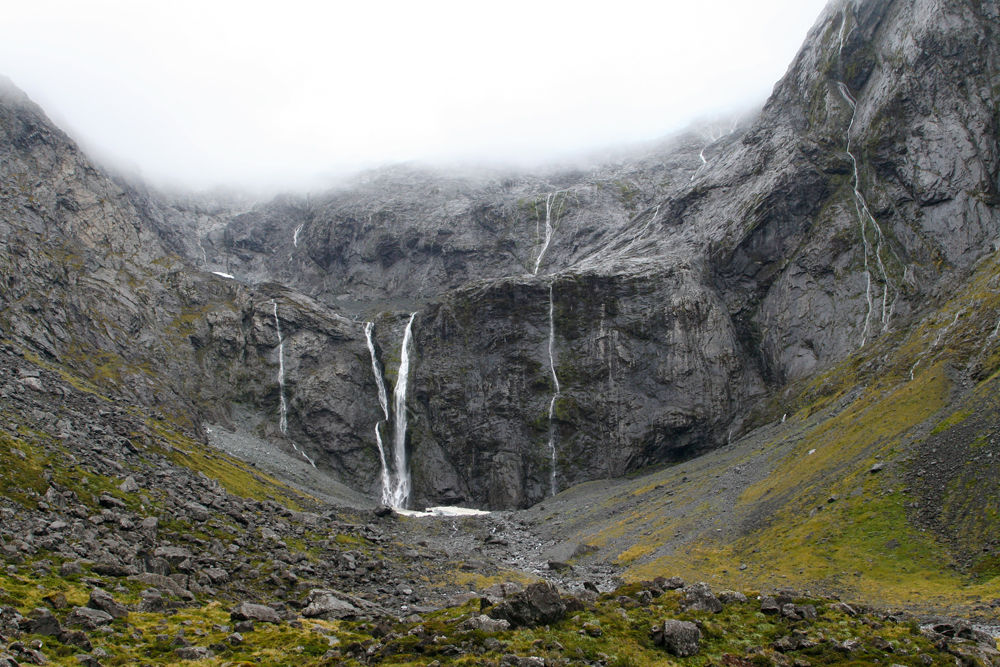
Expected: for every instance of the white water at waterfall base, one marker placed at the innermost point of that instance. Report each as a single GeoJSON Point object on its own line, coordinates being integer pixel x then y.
{"type": "Point", "coordinates": [443, 511]}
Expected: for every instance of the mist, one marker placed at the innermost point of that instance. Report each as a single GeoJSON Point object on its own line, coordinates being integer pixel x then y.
{"type": "Point", "coordinates": [196, 94]}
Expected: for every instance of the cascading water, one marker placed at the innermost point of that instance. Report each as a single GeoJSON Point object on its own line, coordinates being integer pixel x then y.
{"type": "Point", "coordinates": [400, 495]}
{"type": "Point", "coordinates": [555, 396]}
{"type": "Point", "coordinates": [295, 235]}
{"type": "Point", "coordinates": [383, 400]}
{"type": "Point", "coordinates": [865, 216]}
{"type": "Point", "coordinates": [283, 420]}
{"type": "Point", "coordinates": [548, 232]}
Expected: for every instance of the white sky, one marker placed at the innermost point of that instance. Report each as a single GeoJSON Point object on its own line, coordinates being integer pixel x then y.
{"type": "Point", "coordinates": [275, 94]}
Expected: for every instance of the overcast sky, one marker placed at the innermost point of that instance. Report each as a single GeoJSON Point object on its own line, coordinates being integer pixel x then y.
{"type": "Point", "coordinates": [277, 94]}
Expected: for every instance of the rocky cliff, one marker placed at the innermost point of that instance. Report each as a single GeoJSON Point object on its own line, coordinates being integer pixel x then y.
{"type": "Point", "coordinates": [572, 324]}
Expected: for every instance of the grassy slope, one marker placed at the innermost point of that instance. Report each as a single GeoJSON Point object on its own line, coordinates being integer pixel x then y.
{"type": "Point", "coordinates": [766, 502]}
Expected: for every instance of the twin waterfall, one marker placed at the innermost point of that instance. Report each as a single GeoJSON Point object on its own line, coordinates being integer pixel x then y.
{"type": "Point", "coordinates": [396, 483]}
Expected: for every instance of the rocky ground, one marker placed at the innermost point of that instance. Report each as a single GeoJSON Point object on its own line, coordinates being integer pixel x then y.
{"type": "Point", "coordinates": [126, 540]}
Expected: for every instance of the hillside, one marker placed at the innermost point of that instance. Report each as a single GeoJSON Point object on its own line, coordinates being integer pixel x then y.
{"type": "Point", "coordinates": [761, 354]}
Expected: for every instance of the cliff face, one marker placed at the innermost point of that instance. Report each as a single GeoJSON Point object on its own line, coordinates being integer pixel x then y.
{"type": "Point", "coordinates": [665, 294]}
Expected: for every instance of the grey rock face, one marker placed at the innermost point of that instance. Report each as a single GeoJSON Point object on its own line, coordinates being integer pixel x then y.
{"type": "Point", "coordinates": [686, 284]}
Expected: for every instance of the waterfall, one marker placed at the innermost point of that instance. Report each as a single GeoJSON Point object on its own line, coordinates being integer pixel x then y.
{"type": "Point", "coordinates": [401, 489]}
{"type": "Point", "coordinates": [383, 401]}
{"type": "Point", "coordinates": [865, 216]}
{"type": "Point", "coordinates": [283, 421]}
{"type": "Point", "coordinates": [548, 233]}
{"type": "Point", "coordinates": [295, 235]}
{"type": "Point", "coordinates": [555, 396]}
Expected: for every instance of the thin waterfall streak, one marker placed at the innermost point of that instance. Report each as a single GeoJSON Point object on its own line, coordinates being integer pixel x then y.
{"type": "Point", "coordinates": [548, 232]}
{"type": "Point", "coordinates": [641, 233]}
{"type": "Point", "coordinates": [558, 391]}
{"type": "Point", "coordinates": [401, 489]}
{"type": "Point", "coordinates": [937, 340]}
{"type": "Point", "coordinates": [295, 235]}
{"type": "Point", "coordinates": [868, 295]}
{"type": "Point", "coordinates": [864, 218]}
{"type": "Point", "coordinates": [283, 420]}
{"type": "Point", "coordinates": [843, 27]}
{"type": "Point", "coordinates": [304, 455]}
{"type": "Point", "coordinates": [383, 401]}
{"type": "Point", "coordinates": [204, 255]}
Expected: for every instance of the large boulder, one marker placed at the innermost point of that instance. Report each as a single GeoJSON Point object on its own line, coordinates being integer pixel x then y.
{"type": "Point", "coordinates": [485, 623]}
{"type": "Point", "coordinates": [173, 555]}
{"type": "Point", "coordinates": [87, 618]}
{"type": "Point", "coordinates": [678, 637]}
{"type": "Point", "coordinates": [538, 604]}
{"type": "Point", "coordinates": [325, 604]}
{"type": "Point", "coordinates": [41, 622]}
{"type": "Point", "coordinates": [247, 611]}
{"type": "Point", "coordinates": [699, 597]}
{"type": "Point", "coordinates": [101, 599]}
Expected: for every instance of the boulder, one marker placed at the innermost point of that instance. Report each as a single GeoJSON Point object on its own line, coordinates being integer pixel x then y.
{"type": "Point", "coordinates": [110, 565]}
{"type": "Point", "coordinates": [247, 611]}
{"type": "Point", "coordinates": [538, 604]}
{"type": "Point", "coordinates": [197, 511]}
{"type": "Point", "coordinates": [41, 622]}
{"type": "Point", "coordinates": [148, 527]}
{"type": "Point", "coordinates": [217, 575]}
{"type": "Point", "coordinates": [87, 618]}
{"type": "Point", "coordinates": [165, 584]}
{"type": "Point", "coordinates": [325, 604]}
{"type": "Point", "coordinates": [485, 623]}
{"type": "Point", "coordinates": [76, 638]}
{"type": "Point", "coordinates": [193, 653]}
{"type": "Point", "coordinates": [173, 555]}
{"type": "Point", "coordinates": [129, 485]}
{"type": "Point", "coordinates": [769, 606]}
{"type": "Point", "coordinates": [699, 597]}
{"type": "Point", "coordinates": [727, 597]}
{"type": "Point", "coordinates": [679, 638]}
{"type": "Point", "coordinates": [101, 599]}
{"type": "Point", "coordinates": [70, 568]}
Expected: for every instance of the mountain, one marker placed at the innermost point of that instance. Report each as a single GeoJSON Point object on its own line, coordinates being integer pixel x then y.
{"type": "Point", "coordinates": [685, 284]}
{"type": "Point", "coordinates": [800, 303]}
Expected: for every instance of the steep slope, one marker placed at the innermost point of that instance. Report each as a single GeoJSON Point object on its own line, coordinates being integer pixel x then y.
{"type": "Point", "coordinates": [876, 480]}
{"type": "Point", "coordinates": [90, 283]}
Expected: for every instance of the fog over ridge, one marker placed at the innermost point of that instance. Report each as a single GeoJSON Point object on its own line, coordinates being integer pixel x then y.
{"type": "Point", "coordinates": [201, 95]}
